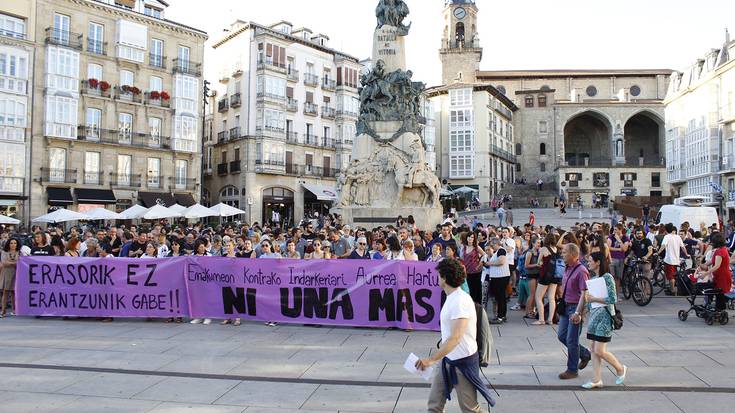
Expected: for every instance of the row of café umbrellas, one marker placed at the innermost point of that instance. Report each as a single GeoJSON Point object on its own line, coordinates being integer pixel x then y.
{"type": "Point", "coordinates": [156, 212]}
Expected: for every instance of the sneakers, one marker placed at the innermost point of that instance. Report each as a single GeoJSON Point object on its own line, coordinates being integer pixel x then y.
{"type": "Point", "coordinates": [621, 379]}
{"type": "Point", "coordinates": [583, 363]}
{"type": "Point", "coordinates": [196, 321]}
{"type": "Point", "coordinates": [568, 375]}
{"type": "Point", "coordinates": [498, 320]}
{"type": "Point", "coordinates": [271, 323]}
{"type": "Point", "coordinates": [516, 307]}
{"type": "Point", "coordinates": [207, 321]}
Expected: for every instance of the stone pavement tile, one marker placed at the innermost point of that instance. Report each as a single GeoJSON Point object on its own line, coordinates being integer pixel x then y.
{"type": "Point", "coordinates": [628, 358]}
{"type": "Point", "coordinates": [630, 401]}
{"type": "Point", "coordinates": [634, 331]}
{"type": "Point", "coordinates": [637, 343]}
{"type": "Point", "coordinates": [691, 330]}
{"type": "Point", "coordinates": [724, 357]}
{"type": "Point", "coordinates": [264, 394]}
{"type": "Point", "coordinates": [106, 405]}
{"type": "Point", "coordinates": [326, 352]}
{"type": "Point", "coordinates": [517, 343]}
{"type": "Point", "coordinates": [549, 375]}
{"type": "Point", "coordinates": [658, 377]}
{"type": "Point", "coordinates": [84, 343]}
{"type": "Point", "coordinates": [187, 390]}
{"type": "Point", "coordinates": [34, 402]}
{"type": "Point", "coordinates": [358, 399]}
{"type": "Point", "coordinates": [511, 375]}
{"type": "Point", "coordinates": [203, 364]}
{"type": "Point", "coordinates": [422, 341]}
{"type": "Point", "coordinates": [396, 340]}
{"type": "Point", "coordinates": [264, 367]}
{"type": "Point", "coordinates": [317, 338]}
{"type": "Point", "coordinates": [25, 354]}
{"type": "Point", "coordinates": [111, 385]}
{"type": "Point", "coordinates": [702, 402]}
{"type": "Point", "coordinates": [129, 345]}
{"type": "Point", "coordinates": [521, 329]}
{"type": "Point", "coordinates": [168, 407]}
{"type": "Point", "coordinates": [344, 371]}
{"type": "Point", "coordinates": [698, 343]}
{"type": "Point", "coordinates": [413, 400]}
{"type": "Point", "coordinates": [137, 361]}
{"type": "Point", "coordinates": [715, 376]}
{"type": "Point", "coordinates": [107, 330]}
{"type": "Point", "coordinates": [675, 358]}
{"type": "Point", "coordinates": [547, 358]}
{"type": "Point", "coordinates": [255, 409]}
{"type": "Point", "coordinates": [37, 380]}
{"type": "Point", "coordinates": [156, 332]}
{"type": "Point", "coordinates": [395, 373]}
{"type": "Point", "coordinates": [377, 354]}
{"type": "Point", "coordinates": [252, 350]}
{"type": "Point", "coordinates": [642, 320]}
{"type": "Point", "coordinates": [78, 358]}
{"type": "Point", "coordinates": [209, 346]}
{"type": "Point", "coordinates": [524, 401]}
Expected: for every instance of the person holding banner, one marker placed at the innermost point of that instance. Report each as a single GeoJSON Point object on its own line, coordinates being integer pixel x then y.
{"type": "Point", "coordinates": [151, 252]}
{"type": "Point", "coordinates": [360, 252]}
{"type": "Point", "coordinates": [10, 254]}
{"type": "Point", "coordinates": [72, 248]}
{"type": "Point", "coordinates": [40, 246]}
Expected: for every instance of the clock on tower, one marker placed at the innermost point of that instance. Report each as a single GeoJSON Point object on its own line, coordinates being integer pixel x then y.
{"type": "Point", "coordinates": [460, 52]}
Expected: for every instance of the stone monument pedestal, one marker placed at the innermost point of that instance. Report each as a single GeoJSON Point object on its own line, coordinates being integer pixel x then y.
{"type": "Point", "coordinates": [369, 217]}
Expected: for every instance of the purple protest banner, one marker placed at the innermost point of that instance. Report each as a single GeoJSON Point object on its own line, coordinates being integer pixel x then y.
{"type": "Point", "coordinates": [401, 294]}
{"type": "Point", "coordinates": [100, 287]}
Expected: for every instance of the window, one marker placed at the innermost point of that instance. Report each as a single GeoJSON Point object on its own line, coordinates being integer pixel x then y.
{"type": "Point", "coordinates": [62, 23]}
{"type": "Point", "coordinates": [62, 70]}
{"type": "Point", "coordinates": [461, 141]}
{"type": "Point", "coordinates": [124, 169]}
{"type": "Point", "coordinates": [542, 167]}
{"type": "Point", "coordinates": [14, 71]}
{"type": "Point", "coordinates": [12, 26]}
{"type": "Point", "coordinates": [61, 117]}
{"type": "Point", "coordinates": [542, 149]}
{"type": "Point", "coordinates": [94, 123]}
{"type": "Point", "coordinates": [57, 164]}
{"type": "Point", "coordinates": [183, 56]}
{"type": "Point", "coordinates": [185, 130]}
{"type": "Point", "coordinates": [460, 119]}
{"type": "Point", "coordinates": [543, 126]}
{"type": "Point", "coordinates": [519, 149]}
{"type": "Point", "coordinates": [92, 168]}
{"type": "Point", "coordinates": [656, 179]}
{"type": "Point", "coordinates": [628, 178]}
{"type": "Point", "coordinates": [573, 179]}
{"type": "Point", "coordinates": [460, 97]}
{"type": "Point", "coordinates": [181, 173]}
{"type": "Point", "coordinates": [127, 78]}
{"type": "Point", "coordinates": [224, 157]}
{"type": "Point", "coordinates": [601, 180]}
{"type": "Point", "coordinates": [94, 71]}
{"type": "Point", "coordinates": [125, 127]}
{"type": "Point", "coordinates": [461, 166]}
{"type": "Point", "coordinates": [542, 101]}
{"type": "Point", "coordinates": [132, 40]}
{"type": "Point", "coordinates": [96, 38]}
{"type": "Point", "coordinates": [271, 86]}
{"type": "Point", "coordinates": [529, 101]}
{"type": "Point", "coordinates": [12, 112]}
{"type": "Point", "coordinates": [154, 172]}
{"type": "Point", "coordinates": [12, 165]}
{"type": "Point", "coordinates": [152, 11]}
{"type": "Point", "coordinates": [154, 131]}
{"type": "Point", "coordinates": [186, 94]}
{"type": "Point", "coordinates": [156, 56]}
{"type": "Point", "coordinates": [156, 84]}
{"type": "Point", "coordinates": [230, 196]}
{"type": "Point", "coordinates": [274, 119]}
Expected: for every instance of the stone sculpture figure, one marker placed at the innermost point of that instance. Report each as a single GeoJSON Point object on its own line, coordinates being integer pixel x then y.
{"type": "Point", "coordinates": [392, 13]}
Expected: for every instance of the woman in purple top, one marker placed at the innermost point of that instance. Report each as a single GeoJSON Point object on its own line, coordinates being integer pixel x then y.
{"type": "Point", "coordinates": [470, 257]}
{"type": "Point", "coordinates": [618, 244]}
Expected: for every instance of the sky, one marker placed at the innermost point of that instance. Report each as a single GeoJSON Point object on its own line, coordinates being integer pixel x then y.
{"type": "Point", "coordinates": [516, 34]}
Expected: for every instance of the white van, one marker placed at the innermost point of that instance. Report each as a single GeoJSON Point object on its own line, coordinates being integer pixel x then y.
{"type": "Point", "coordinates": [677, 215]}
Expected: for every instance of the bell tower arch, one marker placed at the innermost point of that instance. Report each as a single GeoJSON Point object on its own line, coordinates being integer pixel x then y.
{"type": "Point", "coordinates": [460, 53]}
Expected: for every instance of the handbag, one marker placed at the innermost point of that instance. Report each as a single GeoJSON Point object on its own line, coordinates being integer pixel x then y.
{"type": "Point", "coordinates": [617, 319]}
{"type": "Point", "coordinates": [561, 305]}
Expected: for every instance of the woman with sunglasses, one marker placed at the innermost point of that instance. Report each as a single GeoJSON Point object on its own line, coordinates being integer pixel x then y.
{"type": "Point", "coordinates": [360, 252]}
{"type": "Point", "coordinates": [318, 253]}
{"type": "Point", "coordinates": [267, 251]}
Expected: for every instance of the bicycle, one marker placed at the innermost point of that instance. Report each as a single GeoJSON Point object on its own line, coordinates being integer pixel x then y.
{"type": "Point", "coordinates": [635, 284]}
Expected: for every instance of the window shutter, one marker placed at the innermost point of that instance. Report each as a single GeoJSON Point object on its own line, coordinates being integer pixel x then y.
{"type": "Point", "coordinates": [635, 177]}
{"type": "Point", "coordinates": [310, 97]}
{"type": "Point", "coordinates": [289, 92]}
{"type": "Point", "coordinates": [327, 99]}
{"type": "Point", "coordinates": [622, 177]}
{"type": "Point", "coordinates": [282, 55]}
{"type": "Point", "coordinates": [269, 50]}
{"type": "Point", "coordinates": [339, 76]}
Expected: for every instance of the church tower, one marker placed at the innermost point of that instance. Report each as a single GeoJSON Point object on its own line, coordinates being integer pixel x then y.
{"type": "Point", "coordinates": [461, 52]}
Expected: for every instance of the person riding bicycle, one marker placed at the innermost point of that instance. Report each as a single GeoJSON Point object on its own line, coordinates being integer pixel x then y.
{"type": "Point", "coordinates": [642, 249]}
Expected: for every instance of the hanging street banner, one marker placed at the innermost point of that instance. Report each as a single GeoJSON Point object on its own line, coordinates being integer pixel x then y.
{"type": "Point", "coordinates": [365, 293]}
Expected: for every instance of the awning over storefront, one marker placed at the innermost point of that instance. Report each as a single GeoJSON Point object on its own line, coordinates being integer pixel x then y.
{"type": "Point", "coordinates": [186, 200]}
{"type": "Point", "coordinates": [95, 196]}
{"type": "Point", "coordinates": [322, 193]}
{"type": "Point", "coordinates": [59, 196]}
{"type": "Point", "coordinates": [150, 199]}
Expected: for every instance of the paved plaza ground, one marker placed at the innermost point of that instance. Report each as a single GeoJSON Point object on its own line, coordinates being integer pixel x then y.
{"type": "Point", "coordinates": [76, 366]}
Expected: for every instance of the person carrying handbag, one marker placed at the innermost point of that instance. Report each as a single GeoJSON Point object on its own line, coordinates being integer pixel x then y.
{"type": "Point", "coordinates": [601, 324]}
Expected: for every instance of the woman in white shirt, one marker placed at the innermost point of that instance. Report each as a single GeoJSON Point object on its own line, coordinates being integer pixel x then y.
{"type": "Point", "coordinates": [498, 270]}
{"type": "Point", "coordinates": [150, 251]}
{"type": "Point", "coordinates": [407, 253]}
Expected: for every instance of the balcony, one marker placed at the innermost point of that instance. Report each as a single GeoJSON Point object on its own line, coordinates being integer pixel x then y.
{"type": "Point", "coordinates": [292, 137]}
{"type": "Point", "coordinates": [311, 109]}
{"type": "Point", "coordinates": [129, 94]}
{"type": "Point", "coordinates": [97, 47]}
{"type": "Point", "coordinates": [94, 178]}
{"type": "Point", "coordinates": [235, 100]}
{"type": "Point", "coordinates": [311, 80]}
{"type": "Point", "coordinates": [270, 97]}
{"type": "Point", "coordinates": [155, 99]}
{"type": "Point", "coordinates": [223, 136]}
{"type": "Point", "coordinates": [184, 145]}
{"type": "Point", "coordinates": [181, 184]}
{"type": "Point", "coordinates": [223, 105]}
{"type": "Point", "coordinates": [497, 151]}
{"type": "Point", "coordinates": [93, 133]}
{"type": "Point", "coordinates": [11, 185]}
{"type": "Point", "coordinates": [235, 167]}
{"type": "Point", "coordinates": [329, 84]}
{"type": "Point", "coordinates": [328, 113]}
{"type": "Point", "coordinates": [235, 133]}
{"type": "Point", "coordinates": [187, 67]}
{"type": "Point", "coordinates": [327, 142]}
{"type": "Point", "coordinates": [125, 180]}
{"type": "Point", "coordinates": [342, 113]}
{"type": "Point", "coordinates": [94, 87]}
{"type": "Point", "coordinates": [12, 34]}
{"type": "Point", "coordinates": [156, 60]}
{"type": "Point", "coordinates": [269, 165]}
{"type": "Point", "coordinates": [59, 176]}
{"type": "Point", "coordinates": [269, 64]}
{"type": "Point", "coordinates": [292, 75]}
{"type": "Point", "coordinates": [317, 171]}
{"type": "Point", "coordinates": [271, 131]}
{"type": "Point", "coordinates": [63, 38]}
{"type": "Point", "coordinates": [292, 105]}
{"type": "Point", "coordinates": [292, 169]}
{"type": "Point", "coordinates": [310, 139]}
{"type": "Point", "coordinates": [154, 182]}
{"type": "Point", "coordinates": [222, 169]}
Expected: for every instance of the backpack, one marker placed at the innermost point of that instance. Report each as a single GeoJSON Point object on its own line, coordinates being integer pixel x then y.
{"type": "Point", "coordinates": [555, 266]}
{"type": "Point", "coordinates": [484, 336]}
{"type": "Point", "coordinates": [521, 264]}
{"type": "Point", "coordinates": [559, 267]}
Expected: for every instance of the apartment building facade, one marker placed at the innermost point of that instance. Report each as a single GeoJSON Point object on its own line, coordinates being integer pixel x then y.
{"type": "Point", "coordinates": [118, 107]}
{"type": "Point", "coordinates": [284, 121]}
{"type": "Point", "coordinates": [700, 129]}
{"type": "Point", "coordinates": [17, 37]}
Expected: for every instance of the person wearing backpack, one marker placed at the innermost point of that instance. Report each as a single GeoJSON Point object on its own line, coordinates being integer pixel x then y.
{"type": "Point", "coordinates": [548, 281]}
{"type": "Point", "coordinates": [600, 324]}
{"type": "Point", "coordinates": [458, 354]}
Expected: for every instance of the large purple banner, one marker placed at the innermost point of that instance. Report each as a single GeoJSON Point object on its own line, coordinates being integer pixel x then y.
{"type": "Point", "coordinates": [333, 292]}
{"type": "Point", "coordinates": [100, 287]}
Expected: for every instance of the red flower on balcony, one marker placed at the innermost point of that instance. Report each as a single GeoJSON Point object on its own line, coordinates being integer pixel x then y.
{"type": "Point", "coordinates": [104, 86]}
{"type": "Point", "coordinates": [155, 95]}
{"type": "Point", "coordinates": [165, 95]}
{"type": "Point", "coordinates": [130, 89]}
{"type": "Point", "coordinates": [93, 83]}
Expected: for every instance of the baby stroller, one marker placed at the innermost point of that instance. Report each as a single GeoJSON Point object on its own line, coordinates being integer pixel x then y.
{"type": "Point", "coordinates": [707, 309]}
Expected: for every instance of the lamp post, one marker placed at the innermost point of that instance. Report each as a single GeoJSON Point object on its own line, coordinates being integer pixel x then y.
{"type": "Point", "coordinates": [205, 97]}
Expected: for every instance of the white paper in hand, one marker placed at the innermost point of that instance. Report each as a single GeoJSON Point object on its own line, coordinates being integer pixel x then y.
{"type": "Point", "coordinates": [410, 366]}
{"type": "Point", "coordinates": [598, 289]}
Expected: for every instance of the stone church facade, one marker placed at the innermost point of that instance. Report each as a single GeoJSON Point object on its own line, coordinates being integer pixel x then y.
{"type": "Point", "coordinates": [584, 131]}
